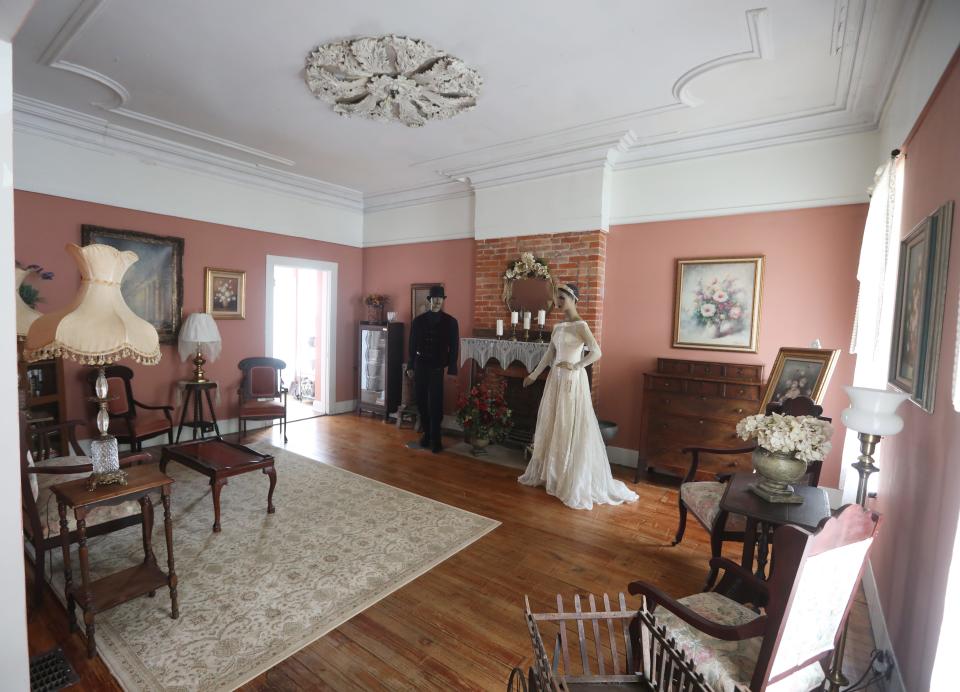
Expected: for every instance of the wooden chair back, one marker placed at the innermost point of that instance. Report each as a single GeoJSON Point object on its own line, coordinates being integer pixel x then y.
{"type": "Point", "coordinates": [803, 617]}
{"type": "Point", "coordinates": [262, 377]}
{"type": "Point", "coordinates": [617, 647]}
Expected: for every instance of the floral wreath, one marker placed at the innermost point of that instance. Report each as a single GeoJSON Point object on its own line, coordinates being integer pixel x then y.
{"type": "Point", "coordinates": [527, 267]}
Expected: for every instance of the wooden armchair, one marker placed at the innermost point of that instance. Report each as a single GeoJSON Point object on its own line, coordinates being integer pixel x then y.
{"type": "Point", "coordinates": [260, 388]}
{"type": "Point", "coordinates": [127, 423]}
{"type": "Point", "coordinates": [702, 498]}
{"type": "Point", "coordinates": [806, 600]}
{"type": "Point", "coordinates": [41, 521]}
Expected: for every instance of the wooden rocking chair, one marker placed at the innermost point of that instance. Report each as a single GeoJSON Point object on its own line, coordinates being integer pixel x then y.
{"type": "Point", "coordinates": [648, 660]}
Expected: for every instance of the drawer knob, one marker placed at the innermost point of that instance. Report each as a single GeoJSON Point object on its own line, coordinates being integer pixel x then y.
{"type": "Point", "coordinates": [732, 465]}
{"type": "Point", "coordinates": [666, 384]}
{"type": "Point", "coordinates": [742, 390]}
{"type": "Point", "coordinates": [665, 401]}
{"type": "Point", "coordinates": [703, 398]}
{"type": "Point", "coordinates": [700, 421]}
{"type": "Point", "coordinates": [739, 410]}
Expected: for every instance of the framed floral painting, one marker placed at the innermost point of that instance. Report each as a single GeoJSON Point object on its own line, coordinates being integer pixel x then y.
{"type": "Point", "coordinates": [800, 372]}
{"type": "Point", "coordinates": [225, 293]}
{"type": "Point", "coordinates": [718, 304]}
{"type": "Point", "coordinates": [918, 317]}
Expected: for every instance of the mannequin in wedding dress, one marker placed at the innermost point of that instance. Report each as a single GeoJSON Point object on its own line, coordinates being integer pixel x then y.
{"type": "Point", "coordinates": [569, 456]}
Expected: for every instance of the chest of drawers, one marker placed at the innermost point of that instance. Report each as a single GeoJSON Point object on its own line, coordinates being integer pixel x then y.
{"type": "Point", "coordinates": [691, 403]}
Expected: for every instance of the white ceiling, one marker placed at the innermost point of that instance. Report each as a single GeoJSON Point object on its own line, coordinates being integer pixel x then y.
{"type": "Point", "coordinates": [566, 84]}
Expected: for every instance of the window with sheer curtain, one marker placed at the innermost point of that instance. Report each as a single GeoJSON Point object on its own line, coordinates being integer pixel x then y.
{"type": "Point", "coordinates": [877, 275]}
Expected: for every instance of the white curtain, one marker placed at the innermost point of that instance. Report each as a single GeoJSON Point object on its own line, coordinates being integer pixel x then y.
{"type": "Point", "coordinates": [877, 274]}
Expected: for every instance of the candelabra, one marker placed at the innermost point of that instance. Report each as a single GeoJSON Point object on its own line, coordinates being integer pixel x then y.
{"type": "Point", "coordinates": [513, 331]}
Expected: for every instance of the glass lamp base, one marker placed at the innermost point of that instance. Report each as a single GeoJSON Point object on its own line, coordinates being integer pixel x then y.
{"type": "Point", "coordinates": [106, 463]}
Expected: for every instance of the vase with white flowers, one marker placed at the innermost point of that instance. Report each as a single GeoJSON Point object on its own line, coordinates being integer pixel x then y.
{"type": "Point", "coordinates": [785, 446]}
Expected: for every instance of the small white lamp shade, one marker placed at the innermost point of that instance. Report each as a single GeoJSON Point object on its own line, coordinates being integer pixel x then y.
{"type": "Point", "coordinates": [199, 333]}
{"type": "Point", "coordinates": [873, 411]}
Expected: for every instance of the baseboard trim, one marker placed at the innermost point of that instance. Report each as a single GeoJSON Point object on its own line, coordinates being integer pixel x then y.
{"type": "Point", "coordinates": [343, 406]}
{"type": "Point", "coordinates": [621, 456]}
{"type": "Point", "coordinates": [878, 624]}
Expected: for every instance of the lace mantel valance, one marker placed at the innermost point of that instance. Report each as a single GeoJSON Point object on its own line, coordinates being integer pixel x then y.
{"type": "Point", "coordinates": [503, 351]}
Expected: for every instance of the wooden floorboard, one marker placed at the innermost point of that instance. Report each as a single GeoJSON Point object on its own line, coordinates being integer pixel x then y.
{"type": "Point", "coordinates": [460, 626]}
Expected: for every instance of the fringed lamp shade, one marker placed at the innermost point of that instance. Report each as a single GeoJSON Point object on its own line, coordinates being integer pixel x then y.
{"type": "Point", "coordinates": [98, 328]}
{"type": "Point", "coordinates": [26, 315]}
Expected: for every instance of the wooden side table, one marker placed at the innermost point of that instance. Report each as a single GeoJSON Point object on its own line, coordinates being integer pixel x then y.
{"type": "Point", "coordinates": [107, 592]}
{"type": "Point", "coordinates": [763, 516]}
{"type": "Point", "coordinates": [194, 390]}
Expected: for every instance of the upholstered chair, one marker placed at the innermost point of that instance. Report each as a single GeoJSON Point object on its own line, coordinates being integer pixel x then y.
{"type": "Point", "coordinates": [702, 498]}
{"type": "Point", "coordinates": [40, 469]}
{"type": "Point", "coordinates": [262, 394]}
{"type": "Point", "coordinates": [806, 600]}
{"type": "Point", "coordinates": [131, 421]}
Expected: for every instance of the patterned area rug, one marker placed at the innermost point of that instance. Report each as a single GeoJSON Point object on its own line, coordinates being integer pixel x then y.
{"type": "Point", "coordinates": [268, 585]}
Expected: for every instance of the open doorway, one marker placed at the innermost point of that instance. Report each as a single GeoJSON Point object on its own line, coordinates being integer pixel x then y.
{"type": "Point", "coordinates": [301, 314]}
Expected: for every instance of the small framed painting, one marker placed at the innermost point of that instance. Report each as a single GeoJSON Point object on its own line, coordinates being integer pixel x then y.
{"type": "Point", "coordinates": [418, 299]}
{"type": "Point", "coordinates": [800, 372]}
{"type": "Point", "coordinates": [718, 304]}
{"type": "Point", "coordinates": [918, 316]}
{"type": "Point", "coordinates": [225, 293]}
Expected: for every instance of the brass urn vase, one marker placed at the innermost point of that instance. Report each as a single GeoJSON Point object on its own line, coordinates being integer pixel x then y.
{"type": "Point", "coordinates": [775, 473]}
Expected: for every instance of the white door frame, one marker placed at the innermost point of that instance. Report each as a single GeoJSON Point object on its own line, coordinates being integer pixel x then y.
{"type": "Point", "coordinates": [329, 345]}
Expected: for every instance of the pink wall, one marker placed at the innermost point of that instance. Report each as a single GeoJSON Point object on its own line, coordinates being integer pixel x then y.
{"type": "Point", "coordinates": [809, 292]}
{"type": "Point", "coordinates": [44, 224]}
{"type": "Point", "coordinates": [920, 475]}
{"type": "Point", "coordinates": [392, 269]}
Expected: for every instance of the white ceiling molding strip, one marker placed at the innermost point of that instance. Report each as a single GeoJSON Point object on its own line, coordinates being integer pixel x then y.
{"type": "Point", "coordinates": [73, 127]}
{"type": "Point", "coordinates": [52, 56]}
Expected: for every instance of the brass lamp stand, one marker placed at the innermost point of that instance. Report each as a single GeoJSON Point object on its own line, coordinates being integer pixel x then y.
{"type": "Point", "coordinates": [872, 414]}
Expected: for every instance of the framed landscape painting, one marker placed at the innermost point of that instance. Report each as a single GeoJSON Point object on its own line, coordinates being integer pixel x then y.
{"type": "Point", "coordinates": [153, 285]}
{"type": "Point", "coordinates": [800, 372]}
{"type": "Point", "coordinates": [718, 304]}
{"type": "Point", "coordinates": [918, 316]}
{"type": "Point", "coordinates": [418, 298]}
{"type": "Point", "coordinates": [225, 293]}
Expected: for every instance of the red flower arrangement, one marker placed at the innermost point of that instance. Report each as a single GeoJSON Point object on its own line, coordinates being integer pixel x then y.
{"type": "Point", "coordinates": [484, 414]}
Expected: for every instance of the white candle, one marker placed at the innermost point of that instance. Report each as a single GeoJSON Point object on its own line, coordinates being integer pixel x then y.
{"type": "Point", "coordinates": [541, 317]}
{"type": "Point", "coordinates": [526, 320]}
{"type": "Point", "coordinates": [514, 317]}
{"type": "Point", "coordinates": [499, 327]}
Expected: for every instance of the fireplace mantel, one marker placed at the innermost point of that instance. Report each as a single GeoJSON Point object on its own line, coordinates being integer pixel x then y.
{"type": "Point", "coordinates": [504, 351]}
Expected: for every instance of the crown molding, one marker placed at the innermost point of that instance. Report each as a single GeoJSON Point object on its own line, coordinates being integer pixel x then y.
{"type": "Point", "coordinates": [416, 195]}
{"type": "Point", "coordinates": [73, 127]}
{"type": "Point", "coordinates": [412, 240]}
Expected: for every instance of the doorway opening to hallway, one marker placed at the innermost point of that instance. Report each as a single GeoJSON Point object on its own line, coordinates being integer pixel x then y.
{"type": "Point", "coordinates": [301, 314]}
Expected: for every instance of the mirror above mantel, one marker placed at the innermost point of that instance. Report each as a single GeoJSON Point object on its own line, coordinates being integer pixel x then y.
{"type": "Point", "coordinates": [527, 285]}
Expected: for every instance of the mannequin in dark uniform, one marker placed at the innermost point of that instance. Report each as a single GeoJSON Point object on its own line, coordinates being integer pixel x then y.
{"type": "Point", "coordinates": [434, 343]}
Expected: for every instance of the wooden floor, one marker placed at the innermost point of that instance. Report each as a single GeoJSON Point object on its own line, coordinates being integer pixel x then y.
{"type": "Point", "coordinates": [460, 627]}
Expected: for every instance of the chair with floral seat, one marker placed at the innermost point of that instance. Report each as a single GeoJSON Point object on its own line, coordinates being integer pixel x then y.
{"type": "Point", "coordinates": [702, 498]}
{"type": "Point", "coordinates": [805, 602]}
{"type": "Point", "coordinates": [41, 520]}
{"type": "Point", "coordinates": [131, 421]}
{"type": "Point", "coordinates": [262, 394]}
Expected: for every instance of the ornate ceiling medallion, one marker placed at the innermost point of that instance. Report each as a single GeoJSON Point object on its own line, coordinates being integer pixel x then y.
{"type": "Point", "coordinates": [392, 78]}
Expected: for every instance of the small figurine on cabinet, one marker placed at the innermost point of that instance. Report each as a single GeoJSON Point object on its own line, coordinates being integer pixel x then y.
{"type": "Point", "coordinates": [434, 345]}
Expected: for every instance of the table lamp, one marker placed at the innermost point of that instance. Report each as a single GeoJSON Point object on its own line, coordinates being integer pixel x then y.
{"type": "Point", "coordinates": [200, 338]}
{"type": "Point", "coordinates": [872, 414]}
{"type": "Point", "coordinates": [98, 329]}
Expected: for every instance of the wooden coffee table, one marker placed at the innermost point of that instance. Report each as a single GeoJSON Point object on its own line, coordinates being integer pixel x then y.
{"type": "Point", "coordinates": [218, 460]}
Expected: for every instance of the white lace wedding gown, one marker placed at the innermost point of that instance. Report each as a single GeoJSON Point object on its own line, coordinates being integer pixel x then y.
{"type": "Point", "coordinates": [569, 456]}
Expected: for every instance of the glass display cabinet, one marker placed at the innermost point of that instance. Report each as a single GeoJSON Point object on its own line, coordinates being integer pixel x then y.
{"type": "Point", "coordinates": [380, 368]}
